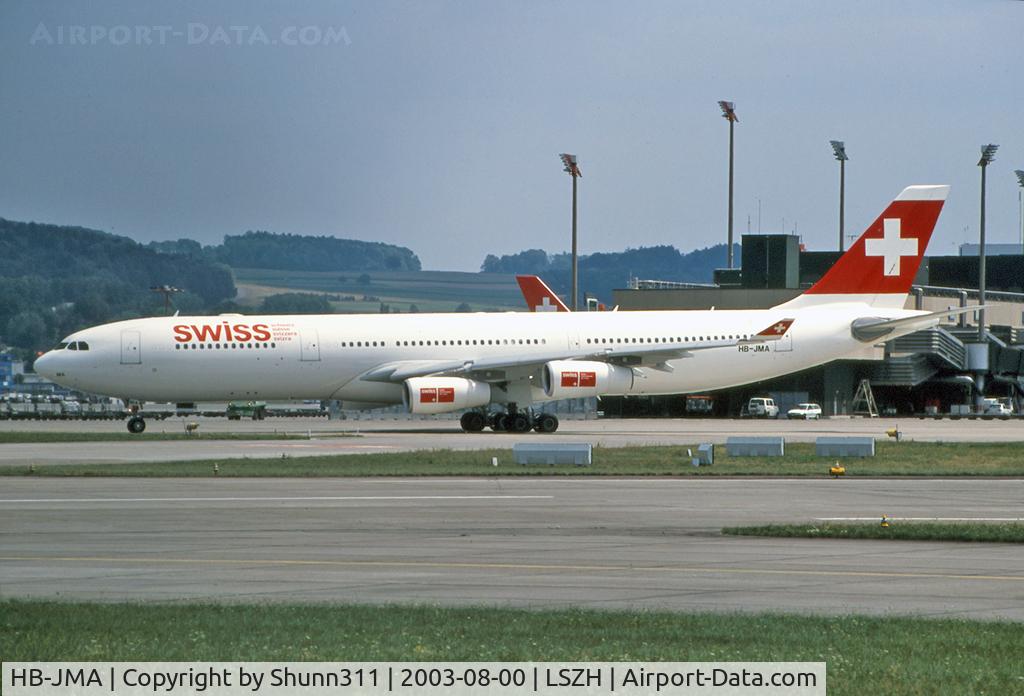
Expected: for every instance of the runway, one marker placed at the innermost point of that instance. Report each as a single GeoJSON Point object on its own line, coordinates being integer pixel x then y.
{"type": "Point", "coordinates": [405, 435]}
{"type": "Point", "coordinates": [638, 543]}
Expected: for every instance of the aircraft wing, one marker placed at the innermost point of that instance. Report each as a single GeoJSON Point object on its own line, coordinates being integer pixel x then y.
{"type": "Point", "coordinates": [496, 367]}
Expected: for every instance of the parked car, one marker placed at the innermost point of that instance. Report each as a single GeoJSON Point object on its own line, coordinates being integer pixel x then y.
{"type": "Point", "coordinates": [805, 411]}
{"type": "Point", "coordinates": [762, 407]}
{"type": "Point", "coordinates": [995, 407]}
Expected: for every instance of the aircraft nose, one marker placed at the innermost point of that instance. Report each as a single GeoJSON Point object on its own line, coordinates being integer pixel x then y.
{"type": "Point", "coordinates": [45, 365]}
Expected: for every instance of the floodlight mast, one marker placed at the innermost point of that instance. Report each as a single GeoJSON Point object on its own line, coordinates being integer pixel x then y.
{"type": "Point", "coordinates": [729, 114]}
{"type": "Point", "coordinates": [988, 153]}
{"type": "Point", "coordinates": [571, 167]}
{"type": "Point", "coordinates": [166, 291]}
{"type": "Point", "coordinates": [839, 149]}
{"type": "Point", "coordinates": [1020, 205]}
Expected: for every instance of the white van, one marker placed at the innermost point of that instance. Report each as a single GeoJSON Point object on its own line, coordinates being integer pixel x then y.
{"type": "Point", "coordinates": [762, 407]}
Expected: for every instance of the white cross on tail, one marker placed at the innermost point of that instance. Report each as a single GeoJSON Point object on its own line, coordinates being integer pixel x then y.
{"type": "Point", "coordinates": [891, 247]}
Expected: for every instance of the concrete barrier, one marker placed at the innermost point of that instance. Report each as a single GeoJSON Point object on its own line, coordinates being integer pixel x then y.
{"type": "Point", "coordinates": [755, 446]}
{"type": "Point", "coordinates": [578, 453]}
{"type": "Point", "coordinates": [845, 446]}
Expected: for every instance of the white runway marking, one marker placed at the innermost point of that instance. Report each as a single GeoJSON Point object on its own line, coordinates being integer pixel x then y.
{"type": "Point", "coordinates": [278, 499]}
{"type": "Point", "coordinates": [921, 519]}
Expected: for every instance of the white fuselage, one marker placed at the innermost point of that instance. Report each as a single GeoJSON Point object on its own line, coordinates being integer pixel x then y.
{"type": "Point", "coordinates": [325, 356]}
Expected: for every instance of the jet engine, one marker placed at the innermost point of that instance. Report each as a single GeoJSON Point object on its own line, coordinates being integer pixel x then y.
{"type": "Point", "coordinates": [571, 379]}
{"type": "Point", "coordinates": [443, 394]}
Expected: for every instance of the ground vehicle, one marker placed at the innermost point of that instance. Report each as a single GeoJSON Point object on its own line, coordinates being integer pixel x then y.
{"type": "Point", "coordinates": [805, 411]}
{"type": "Point", "coordinates": [699, 405]}
{"type": "Point", "coordinates": [995, 407]}
{"type": "Point", "coordinates": [256, 410]}
{"type": "Point", "coordinates": [762, 407]}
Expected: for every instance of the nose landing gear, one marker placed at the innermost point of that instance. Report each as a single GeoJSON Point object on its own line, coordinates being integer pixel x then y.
{"type": "Point", "coordinates": [136, 423]}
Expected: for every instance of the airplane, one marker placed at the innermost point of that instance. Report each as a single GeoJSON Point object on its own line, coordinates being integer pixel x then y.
{"type": "Point", "coordinates": [540, 298]}
{"type": "Point", "coordinates": [440, 363]}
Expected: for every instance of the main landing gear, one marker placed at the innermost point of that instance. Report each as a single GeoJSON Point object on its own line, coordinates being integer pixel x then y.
{"type": "Point", "coordinates": [512, 421]}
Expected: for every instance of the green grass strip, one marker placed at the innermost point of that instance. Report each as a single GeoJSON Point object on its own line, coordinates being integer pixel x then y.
{"type": "Point", "coordinates": [28, 437]}
{"type": "Point", "coordinates": [1003, 532]}
{"type": "Point", "coordinates": [865, 655]}
{"type": "Point", "coordinates": [892, 459]}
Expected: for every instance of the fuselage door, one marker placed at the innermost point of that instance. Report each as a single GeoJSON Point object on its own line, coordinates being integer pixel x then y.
{"type": "Point", "coordinates": [310, 339]}
{"type": "Point", "coordinates": [131, 348]}
{"type": "Point", "coordinates": [784, 344]}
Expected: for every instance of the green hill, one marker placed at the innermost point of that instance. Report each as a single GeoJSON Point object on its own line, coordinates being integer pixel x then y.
{"type": "Point", "coordinates": [56, 279]}
{"type": "Point", "coordinates": [292, 252]}
{"type": "Point", "coordinates": [398, 291]}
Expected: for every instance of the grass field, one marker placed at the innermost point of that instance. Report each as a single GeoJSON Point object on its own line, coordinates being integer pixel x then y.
{"type": "Point", "coordinates": [1003, 532]}
{"type": "Point", "coordinates": [20, 437]}
{"type": "Point", "coordinates": [865, 655]}
{"type": "Point", "coordinates": [893, 459]}
{"type": "Point", "coordinates": [430, 291]}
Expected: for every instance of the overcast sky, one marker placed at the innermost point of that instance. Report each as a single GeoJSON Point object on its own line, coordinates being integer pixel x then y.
{"type": "Point", "coordinates": [437, 125]}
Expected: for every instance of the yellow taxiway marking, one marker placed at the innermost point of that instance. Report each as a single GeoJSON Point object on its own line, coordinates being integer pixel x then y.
{"type": "Point", "coordinates": [455, 565]}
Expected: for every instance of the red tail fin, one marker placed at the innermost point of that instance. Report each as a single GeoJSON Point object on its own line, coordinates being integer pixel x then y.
{"type": "Point", "coordinates": [539, 297]}
{"type": "Point", "coordinates": [881, 265]}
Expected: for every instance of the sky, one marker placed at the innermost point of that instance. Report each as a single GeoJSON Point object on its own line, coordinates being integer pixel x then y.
{"type": "Point", "coordinates": [437, 125]}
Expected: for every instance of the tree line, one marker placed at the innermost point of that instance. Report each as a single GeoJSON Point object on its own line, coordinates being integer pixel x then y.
{"type": "Point", "coordinates": [603, 272]}
{"type": "Point", "coordinates": [55, 280]}
{"type": "Point", "coordinates": [293, 252]}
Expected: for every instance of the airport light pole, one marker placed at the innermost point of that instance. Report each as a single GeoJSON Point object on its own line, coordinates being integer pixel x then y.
{"type": "Point", "coordinates": [988, 153]}
{"type": "Point", "coordinates": [729, 114]}
{"type": "Point", "coordinates": [572, 169]}
{"type": "Point", "coordinates": [1020, 205]}
{"type": "Point", "coordinates": [839, 148]}
{"type": "Point", "coordinates": [166, 291]}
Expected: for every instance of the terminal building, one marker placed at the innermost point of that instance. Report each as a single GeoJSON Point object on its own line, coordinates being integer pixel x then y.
{"type": "Point", "coordinates": [943, 370]}
{"type": "Point", "coordinates": [11, 370]}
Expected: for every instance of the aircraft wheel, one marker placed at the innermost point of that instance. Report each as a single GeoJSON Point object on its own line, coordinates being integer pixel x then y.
{"type": "Point", "coordinates": [473, 421]}
{"type": "Point", "coordinates": [136, 425]}
{"type": "Point", "coordinates": [547, 423]}
{"type": "Point", "coordinates": [499, 422]}
{"type": "Point", "coordinates": [519, 423]}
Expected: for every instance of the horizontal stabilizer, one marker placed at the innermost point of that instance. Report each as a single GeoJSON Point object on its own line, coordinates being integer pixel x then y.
{"type": "Point", "coordinates": [868, 329]}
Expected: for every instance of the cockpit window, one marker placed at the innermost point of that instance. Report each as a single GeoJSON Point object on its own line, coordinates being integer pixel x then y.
{"type": "Point", "coordinates": [82, 345]}
{"type": "Point", "coordinates": [61, 346]}
{"type": "Point", "coordinates": [73, 346]}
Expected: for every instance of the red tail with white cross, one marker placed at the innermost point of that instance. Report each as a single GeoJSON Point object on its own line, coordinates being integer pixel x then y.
{"type": "Point", "coordinates": [885, 259]}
